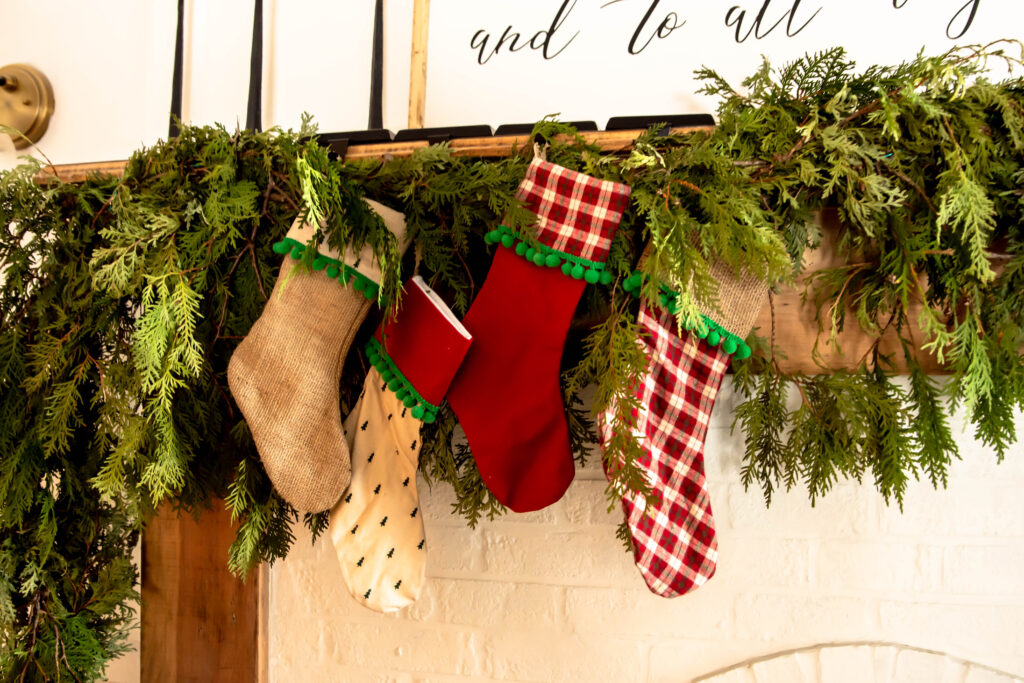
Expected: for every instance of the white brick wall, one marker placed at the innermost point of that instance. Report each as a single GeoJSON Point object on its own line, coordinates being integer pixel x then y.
{"type": "Point", "coordinates": [551, 596]}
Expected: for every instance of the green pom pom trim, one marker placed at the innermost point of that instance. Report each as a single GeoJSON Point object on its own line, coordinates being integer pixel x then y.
{"type": "Point", "coordinates": [422, 409]}
{"type": "Point", "coordinates": [546, 257]}
{"type": "Point", "coordinates": [336, 270]}
{"type": "Point", "coordinates": [711, 331]}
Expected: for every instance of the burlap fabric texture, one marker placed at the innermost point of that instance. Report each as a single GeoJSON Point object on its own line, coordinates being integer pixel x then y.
{"type": "Point", "coordinates": [285, 374]}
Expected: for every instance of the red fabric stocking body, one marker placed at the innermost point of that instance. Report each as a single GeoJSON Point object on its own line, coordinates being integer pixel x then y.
{"type": "Point", "coordinates": [523, 313]}
{"type": "Point", "coordinates": [507, 395]}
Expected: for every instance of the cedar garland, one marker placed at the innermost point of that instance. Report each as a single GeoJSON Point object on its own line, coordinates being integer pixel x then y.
{"type": "Point", "coordinates": [123, 298]}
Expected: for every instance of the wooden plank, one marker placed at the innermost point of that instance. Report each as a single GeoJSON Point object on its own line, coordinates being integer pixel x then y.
{"type": "Point", "coordinates": [199, 623]}
{"type": "Point", "coordinates": [418, 64]}
{"type": "Point", "coordinates": [490, 147]}
{"type": "Point", "coordinates": [796, 328]}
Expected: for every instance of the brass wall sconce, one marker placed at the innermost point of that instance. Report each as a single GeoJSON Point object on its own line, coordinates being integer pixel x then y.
{"type": "Point", "coordinates": [26, 102]}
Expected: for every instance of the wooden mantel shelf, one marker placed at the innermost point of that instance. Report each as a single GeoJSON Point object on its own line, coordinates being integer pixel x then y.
{"type": "Point", "coordinates": [794, 320]}
{"type": "Point", "coordinates": [493, 146]}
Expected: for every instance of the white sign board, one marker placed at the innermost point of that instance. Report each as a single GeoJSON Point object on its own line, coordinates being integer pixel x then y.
{"type": "Point", "coordinates": [514, 61]}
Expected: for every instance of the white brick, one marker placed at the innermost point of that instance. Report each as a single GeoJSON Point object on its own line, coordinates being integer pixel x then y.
{"type": "Point", "coordinates": [964, 509]}
{"type": "Point", "coordinates": [538, 655]}
{"type": "Point", "coordinates": [454, 551]}
{"type": "Point", "coordinates": [698, 614]}
{"type": "Point", "coordinates": [977, 674]}
{"type": "Point", "coordinates": [404, 647]}
{"type": "Point", "coordinates": [743, 674]}
{"type": "Point", "coordinates": [840, 663]}
{"type": "Point", "coordinates": [552, 596]}
{"type": "Point", "coordinates": [794, 668]}
{"type": "Point", "coordinates": [436, 504]}
{"type": "Point", "coordinates": [688, 659]}
{"type": "Point", "coordinates": [741, 562]}
{"type": "Point", "coordinates": [985, 569]}
{"type": "Point", "coordinates": [591, 558]}
{"type": "Point", "coordinates": [874, 567]}
{"type": "Point", "coordinates": [488, 604]}
{"type": "Point", "coordinates": [586, 503]}
{"type": "Point", "coordinates": [787, 618]}
{"type": "Point", "coordinates": [914, 666]}
{"type": "Point", "coordinates": [964, 630]}
{"type": "Point", "coordinates": [846, 510]}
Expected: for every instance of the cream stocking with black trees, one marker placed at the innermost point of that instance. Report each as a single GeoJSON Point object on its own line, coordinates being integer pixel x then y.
{"type": "Point", "coordinates": [377, 527]}
{"type": "Point", "coordinates": [285, 374]}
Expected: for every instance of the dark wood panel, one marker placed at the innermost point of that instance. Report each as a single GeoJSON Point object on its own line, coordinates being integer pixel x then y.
{"type": "Point", "coordinates": [199, 623]}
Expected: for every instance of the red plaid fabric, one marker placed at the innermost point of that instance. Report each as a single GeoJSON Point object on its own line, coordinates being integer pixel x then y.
{"type": "Point", "coordinates": [576, 213]}
{"type": "Point", "coordinates": [674, 544]}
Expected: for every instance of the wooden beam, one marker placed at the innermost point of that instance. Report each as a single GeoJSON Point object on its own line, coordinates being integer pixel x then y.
{"type": "Point", "coordinates": [489, 147]}
{"type": "Point", "coordinates": [199, 623]}
{"type": "Point", "coordinates": [795, 327]}
{"type": "Point", "coordinates": [418, 64]}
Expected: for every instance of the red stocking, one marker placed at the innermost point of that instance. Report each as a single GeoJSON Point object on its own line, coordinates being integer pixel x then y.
{"type": "Point", "coordinates": [507, 394]}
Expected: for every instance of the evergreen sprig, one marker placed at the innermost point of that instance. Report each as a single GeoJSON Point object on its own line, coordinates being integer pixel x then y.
{"type": "Point", "coordinates": [122, 300]}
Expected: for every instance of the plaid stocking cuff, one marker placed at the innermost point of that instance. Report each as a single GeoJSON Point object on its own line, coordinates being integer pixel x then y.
{"type": "Point", "coordinates": [577, 216]}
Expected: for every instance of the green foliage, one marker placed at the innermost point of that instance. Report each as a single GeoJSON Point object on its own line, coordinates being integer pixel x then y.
{"type": "Point", "coordinates": [122, 300]}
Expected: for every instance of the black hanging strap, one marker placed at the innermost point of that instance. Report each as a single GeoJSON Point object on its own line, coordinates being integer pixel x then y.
{"type": "Point", "coordinates": [172, 128]}
{"type": "Point", "coordinates": [377, 69]}
{"type": "Point", "coordinates": [254, 112]}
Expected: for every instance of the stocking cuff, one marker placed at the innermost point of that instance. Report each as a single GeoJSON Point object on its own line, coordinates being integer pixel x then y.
{"type": "Point", "coordinates": [419, 351]}
{"type": "Point", "coordinates": [577, 216]}
{"type": "Point", "coordinates": [361, 270]}
{"type": "Point", "coordinates": [740, 300]}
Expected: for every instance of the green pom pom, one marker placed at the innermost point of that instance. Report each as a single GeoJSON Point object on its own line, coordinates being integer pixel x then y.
{"type": "Point", "coordinates": [592, 276]}
{"type": "Point", "coordinates": [742, 352]}
{"type": "Point", "coordinates": [409, 401]}
{"type": "Point", "coordinates": [633, 282]}
{"type": "Point", "coordinates": [492, 236]}
{"type": "Point", "coordinates": [729, 345]}
{"type": "Point", "coordinates": [714, 337]}
{"type": "Point", "coordinates": [395, 384]}
{"type": "Point", "coordinates": [552, 260]}
{"type": "Point", "coordinates": [539, 259]}
{"type": "Point", "coordinates": [606, 277]}
{"type": "Point", "coordinates": [665, 300]}
{"type": "Point", "coordinates": [507, 241]}
{"type": "Point", "coordinates": [701, 331]}
{"type": "Point", "coordinates": [577, 272]}
{"type": "Point", "coordinates": [359, 285]}
{"type": "Point", "coordinates": [417, 412]}
{"type": "Point", "coordinates": [281, 247]}
{"type": "Point", "coordinates": [520, 249]}
{"type": "Point", "coordinates": [530, 251]}
{"type": "Point", "coordinates": [332, 271]}
{"type": "Point", "coordinates": [371, 291]}
{"type": "Point", "coordinates": [297, 251]}
{"type": "Point", "coordinates": [387, 376]}
{"type": "Point", "coordinates": [566, 268]}
{"type": "Point", "coordinates": [319, 263]}
{"type": "Point", "coordinates": [429, 416]}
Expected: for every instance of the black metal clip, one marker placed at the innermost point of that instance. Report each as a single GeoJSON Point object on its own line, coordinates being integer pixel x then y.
{"type": "Point", "coordinates": [337, 144]}
{"type": "Point", "coordinates": [442, 133]}
{"type": "Point", "coordinates": [666, 122]}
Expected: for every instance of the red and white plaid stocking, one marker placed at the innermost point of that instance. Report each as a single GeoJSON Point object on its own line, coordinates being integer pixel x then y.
{"type": "Point", "coordinates": [674, 543]}
{"type": "Point", "coordinates": [673, 537]}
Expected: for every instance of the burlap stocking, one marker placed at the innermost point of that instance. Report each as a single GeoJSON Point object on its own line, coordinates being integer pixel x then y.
{"type": "Point", "coordinates": [285, 373]}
